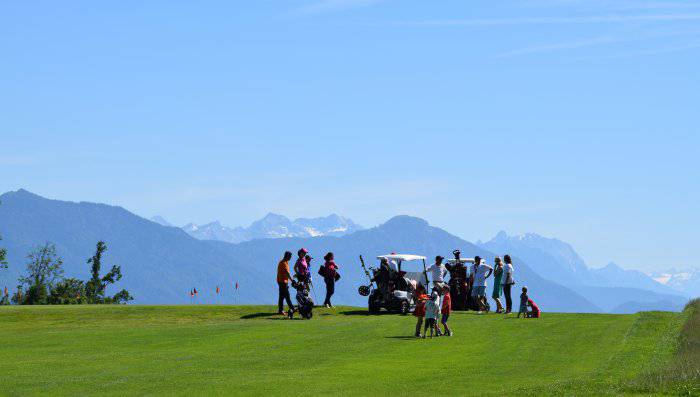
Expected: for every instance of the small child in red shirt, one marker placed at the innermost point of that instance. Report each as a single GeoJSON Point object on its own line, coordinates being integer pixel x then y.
{"type": "Point", "coordinates": [535, 312]}
{"type": "Point", "coordinates": [446, 309]}
{"type": "Point", "coordinates": [421, 297]}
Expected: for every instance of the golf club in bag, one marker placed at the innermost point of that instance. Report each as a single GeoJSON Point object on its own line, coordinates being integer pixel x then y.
{"type": "Point", "coordinates": [365, 290]}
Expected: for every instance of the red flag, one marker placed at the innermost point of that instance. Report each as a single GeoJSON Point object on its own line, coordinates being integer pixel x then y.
{"type": "Point", "coordinates": [195, 291]}
{"type": "Point", "coordinates": [217, 289]}
{"type": "Point", "coordinates": [236, 284]}
{"type": "Point", "coordinates": [6, 293]}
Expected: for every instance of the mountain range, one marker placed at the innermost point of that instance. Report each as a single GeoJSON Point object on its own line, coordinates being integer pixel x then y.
{"type": "Point", "coordinates": [271, 226]}
{"type": "Point", "coordinates": [611, 288]}
{"type": "Point", "coordinates": [686, 281]}
{"type": "Point", "coordinates": [161, 264]}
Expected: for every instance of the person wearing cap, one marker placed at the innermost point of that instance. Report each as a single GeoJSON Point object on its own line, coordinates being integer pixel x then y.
{"type": "Point", "coordinates": [438, 271]}
{"type": "Point", "coordinates": [283, 277]}
{"type": "Point", "coordinates": [480, 272]}
{"type": "Point", "coordinates": [301, 267]}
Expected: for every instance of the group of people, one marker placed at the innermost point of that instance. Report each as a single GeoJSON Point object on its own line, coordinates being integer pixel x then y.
{"type": "Point", "coordinates": [302, 282]}
{"type": "Point", "coordinates": [468, 286]}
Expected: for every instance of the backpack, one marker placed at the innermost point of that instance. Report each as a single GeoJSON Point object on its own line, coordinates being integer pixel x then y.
{"type": "Point", "coordinates": [322, 271]}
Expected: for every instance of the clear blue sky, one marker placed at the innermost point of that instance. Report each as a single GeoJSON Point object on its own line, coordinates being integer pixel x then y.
{"type": "Point", "coordinates": [574, 119]}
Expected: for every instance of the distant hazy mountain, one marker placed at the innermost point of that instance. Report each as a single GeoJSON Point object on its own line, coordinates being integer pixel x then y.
{"type": "Point", "coordinates": [611, 287]}
{"type": "Point", "coordinates": [216, 231]}
{"type": "Point", "coordinates": [161, 264]}
{"type": "Point", "coordinates": [274, 226]}
{"type": "Point", "coordinates": [686, 281]}
{"type": "Point", "coordinates": [160, 220]}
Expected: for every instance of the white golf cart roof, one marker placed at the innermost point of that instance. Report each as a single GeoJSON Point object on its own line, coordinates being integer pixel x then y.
{"type": "Point", "coordinates": [401, 257]}
{"type": "Point", "coordinates": [462, 260]}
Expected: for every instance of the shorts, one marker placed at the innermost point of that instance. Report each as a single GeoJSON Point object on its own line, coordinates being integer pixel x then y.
{"type": "Point", "coordinates": [429, 322]}
{"type": "Point", "coordinates": [478, 291]}
{"type": "Point", "coordinates": [523, 308]}
{"type": "Point", "coordinates": [445, 316]}
{"type": "Point", "coordinates": [439, 285]}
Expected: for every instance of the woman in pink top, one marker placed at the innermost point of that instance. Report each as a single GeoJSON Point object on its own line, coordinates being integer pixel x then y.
{"type": "Point", "coordinates": [330, 274]}
{"type": "Point", "coordinates": [301, 268]}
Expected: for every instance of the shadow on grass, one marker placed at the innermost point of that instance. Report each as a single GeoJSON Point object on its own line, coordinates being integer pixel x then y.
{"type": "Point", "coordinates": [259, 315]}
{"type": "Point", "coordinates": [365, 313]}
{"type": "Point", "coordinates": [405, 337]}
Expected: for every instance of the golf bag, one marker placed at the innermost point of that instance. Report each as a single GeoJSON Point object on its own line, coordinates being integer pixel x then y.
{"type": "Point", "coordinates": [305, 305]}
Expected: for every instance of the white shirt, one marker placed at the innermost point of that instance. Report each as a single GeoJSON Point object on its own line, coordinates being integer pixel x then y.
{"type": "Point", "coordinates": [507, 277]}
{"type": "Point", "coordinates": [480, 274]}
{"type": "Point", "coordinates": [432, 307]}
{"type": "Point", "coordinates": [438, 272]}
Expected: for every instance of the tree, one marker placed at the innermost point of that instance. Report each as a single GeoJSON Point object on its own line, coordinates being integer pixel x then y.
{"type": "Point", "coordinates": [45, 267]}
{"type": "Point", "coordinates": [95, 288]}
{"type": "Point", "coordinates": [68, 291]}
{"type": "Point", "coordinates": [3, 257]}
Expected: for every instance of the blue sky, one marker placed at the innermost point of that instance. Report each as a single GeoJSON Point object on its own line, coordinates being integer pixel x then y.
{"type": "Point", "coordinates": [574, 119]}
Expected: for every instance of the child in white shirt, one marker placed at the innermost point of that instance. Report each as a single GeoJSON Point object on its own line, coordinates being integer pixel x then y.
{"type": "Point", "coordinates": [432, 312]}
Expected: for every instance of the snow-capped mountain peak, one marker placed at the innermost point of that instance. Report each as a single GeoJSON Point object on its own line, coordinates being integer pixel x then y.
{"type": "Point", "coordinates": [274, 226]}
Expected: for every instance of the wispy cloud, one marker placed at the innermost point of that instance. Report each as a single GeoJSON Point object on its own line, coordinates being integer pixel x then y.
{"type": "Point", "coordinates": [476, 22]}
{"type": "Point", "coordinates": [17, 160]}
{"type": "Point", "coordinates": [595, 41]}
{"type": "Point", "coordinates": [656, 51]}
{"type": "Point", "coordinates": [323, 6]}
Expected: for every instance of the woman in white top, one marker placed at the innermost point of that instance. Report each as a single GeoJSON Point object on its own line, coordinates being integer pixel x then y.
{"type": "Point", "coordinates": [508, 281]}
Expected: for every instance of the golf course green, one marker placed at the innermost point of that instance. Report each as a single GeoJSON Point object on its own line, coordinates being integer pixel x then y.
{"type": "Point", "coordinates": [222, 350]}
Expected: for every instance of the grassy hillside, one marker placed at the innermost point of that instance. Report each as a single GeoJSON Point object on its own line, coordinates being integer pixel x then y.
{"type": "Point", "coordinates": [198, 350]}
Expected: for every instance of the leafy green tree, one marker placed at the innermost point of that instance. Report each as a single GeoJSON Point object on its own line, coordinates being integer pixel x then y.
{"type": "Point", "coordinates": [95, 288]}
{"type": "Point", "coordinates": [3, 257]}
{"type": "Point", "coordinates": [45, 267]}
{"type": "Point", "coordinates": [68, 291]}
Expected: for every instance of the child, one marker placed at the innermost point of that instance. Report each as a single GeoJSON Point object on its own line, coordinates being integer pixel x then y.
{"type": "Point", "coordinates": [535, 313]}
{"type": "Point", "coordinates": [419, 311]}
{"type": "Point", "coordinates": [432, 310]}
{"type": "Point", "coordinates": [446, 309]}
{"type": "Point", "coordinates": [438, 290]}
{"type": "Point", "coordinates": [523, 303]}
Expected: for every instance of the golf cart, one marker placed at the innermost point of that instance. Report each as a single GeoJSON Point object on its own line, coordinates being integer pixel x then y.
{"type": "Point", "coordinates": [394, 284]}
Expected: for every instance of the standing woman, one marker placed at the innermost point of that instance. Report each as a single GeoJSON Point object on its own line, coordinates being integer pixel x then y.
{"type": "Point", "coordinates": [330, 275]}
{"type": "Point", "coordinates": [508, 282]}
{"type": "Point", "coordinates": [301, 268]}
{"type": "Point", "coordinates": [497, 273]}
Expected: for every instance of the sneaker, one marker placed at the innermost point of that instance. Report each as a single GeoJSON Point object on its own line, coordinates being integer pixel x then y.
{"type": "Point", "coordinates": [327, 306]}
{"type": "Point", "coordinates": [330, 305]}
{"type": "Point", "coordinates": [449, 333]}
{"type": "Point", "coordinates": [281, 313]}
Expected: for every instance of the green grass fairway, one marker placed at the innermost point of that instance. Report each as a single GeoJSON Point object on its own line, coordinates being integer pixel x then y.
{"type": "Point", "coordinates": [204, 350]}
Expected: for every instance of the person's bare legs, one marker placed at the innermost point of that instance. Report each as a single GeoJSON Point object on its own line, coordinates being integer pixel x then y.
{"type": "Point", "coordinates": [499, 306]}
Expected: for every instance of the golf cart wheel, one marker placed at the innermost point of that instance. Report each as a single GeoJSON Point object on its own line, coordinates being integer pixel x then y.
{"type": "Point", "coordinates": [405, 308]}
